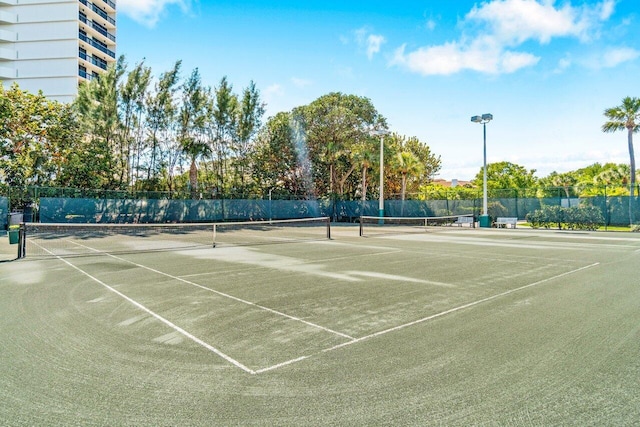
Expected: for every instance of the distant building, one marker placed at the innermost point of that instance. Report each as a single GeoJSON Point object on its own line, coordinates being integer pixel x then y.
{"type": "Point", "coordinates": [52, 45]}
{"type": "Point", "coordinates": [453, 183]}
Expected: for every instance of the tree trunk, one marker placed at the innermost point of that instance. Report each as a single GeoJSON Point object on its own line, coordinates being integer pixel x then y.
{"type": "Point", "coordinates": [632, 184]}
{"type": "Point", "coordinates": [364, 184]}
{"type": "Point", "coordinates": [193, 179]}
{"type": "Point", "coordinates": [403, 190]}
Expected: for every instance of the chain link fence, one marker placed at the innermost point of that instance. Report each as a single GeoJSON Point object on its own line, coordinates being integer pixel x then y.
{"type": "Point", "coordinates": [95, 206]}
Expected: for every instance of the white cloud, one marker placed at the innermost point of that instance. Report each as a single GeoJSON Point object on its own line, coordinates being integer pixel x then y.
{"type": "Point", "coordinates": [516, 21]}
{"type": "Point", "coordinates": [149, 12]}
{"type": "Point", "coordinates": [370, 42]}
{"type": "Point", "coordinates": [617, 56]}
{"type": "Point", "coordinates": [513, 61]}
{"type": "Point", "coordinates": [482, 55]}
{"type": "Point", "coordinates": [563, 64]}
{"type": "Point", "coordinates": [498, 28]}
{"type": "Point", "coordinates": [274, 90]}
{"type": "Point", "coordinates": [301, 83]}
{"type": "Point", "coordinates": [373, 44]}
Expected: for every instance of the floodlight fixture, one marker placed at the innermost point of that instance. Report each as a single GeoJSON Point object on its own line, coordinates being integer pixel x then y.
{"type": "Point", "coordinates": [378, 132]}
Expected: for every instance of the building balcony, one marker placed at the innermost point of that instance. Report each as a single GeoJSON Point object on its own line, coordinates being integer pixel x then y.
{"type": "Point", "coordinates": [7, 36]}
{"type": "Point", "coordinates": [7, 73]}
{"type": "Point", "coordinates": [86, 74]}
{"type": "Point", "coordinates": [99, 12]}
{"type": "Point", "coordinates": [97, 27]}
{"type": "Point", "coordinates": [8, 18]}
{"type": "Point", "coordinates": [7, 54]}
{"type": "Point", "coordinates": [110, 5]}
{"type": "Point", "coordinates": [97, 45]}
{"type": "Point", "coordinates": [90, 59]}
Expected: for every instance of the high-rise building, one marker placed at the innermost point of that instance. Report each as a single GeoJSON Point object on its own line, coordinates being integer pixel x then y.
{"type": "Point", "coordinates": [52, 45]}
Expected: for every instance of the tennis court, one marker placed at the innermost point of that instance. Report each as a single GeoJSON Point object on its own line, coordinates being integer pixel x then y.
{"type": "Point", "coordinates": [448, 326]}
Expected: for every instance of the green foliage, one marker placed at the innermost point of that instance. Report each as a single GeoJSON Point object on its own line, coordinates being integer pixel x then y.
{"type": "Point", "coordinates": [504, 175]}
{"type": "Point", "coordinates": [496, 209]}
{"type": "Point", "coordinates": [332, 124]}
{"type": "Point", "coordinates": [40, 141]}
{"type": "Point", "coordinates": [573, 218]}
{"type": "Point", "coordinates": [626, 117]}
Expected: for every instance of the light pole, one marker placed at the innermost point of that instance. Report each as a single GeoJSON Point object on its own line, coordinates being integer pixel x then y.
{"type": "Point", "coordinates": [484, 119]}
{"type": "Point", "coordinates": [381, 133]}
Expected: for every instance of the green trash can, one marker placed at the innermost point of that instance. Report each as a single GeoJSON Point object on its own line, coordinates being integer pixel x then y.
{"type": "Point", "coordinates": [484, 221]}
{"type": "Point", "coordinates": [14, 236]}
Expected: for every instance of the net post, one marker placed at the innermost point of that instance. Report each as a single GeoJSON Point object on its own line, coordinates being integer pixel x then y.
{"type": "Point", "coordinates": [328, 228]}
{"type": "Point", "coordinates": [214, 235]}
{"type": "Point", "coordinates": [21, 241]}
{"type": "Point", "coordinates": [361, 230]}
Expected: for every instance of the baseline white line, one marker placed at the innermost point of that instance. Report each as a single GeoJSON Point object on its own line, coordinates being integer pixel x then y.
{"type": "Point", "coordinates": [158, 317]}
{"type": "Point", "coordinates": [462, 307]}
{"type": "Point", "coordinates": [253, 304]}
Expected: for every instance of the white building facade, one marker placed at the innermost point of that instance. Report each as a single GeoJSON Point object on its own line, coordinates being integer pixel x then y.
{"type": "Point", "coordinates": [52, 45]}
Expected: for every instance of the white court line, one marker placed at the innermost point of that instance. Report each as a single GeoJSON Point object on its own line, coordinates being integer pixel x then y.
{"type": "Point", "coordinates": [425, 319]}
{"type": "Point", "coordinates": [253, 304]}
{"type": "Point", "coordinates": [158, 317]}
{"type": "Point", "coordinates": [280, 365]}
{"type": "Point", "coordinates": [462, 307]}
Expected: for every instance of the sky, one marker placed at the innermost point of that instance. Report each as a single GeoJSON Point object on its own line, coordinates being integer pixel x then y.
{"type": "Point", "coordinates": [545, 69]}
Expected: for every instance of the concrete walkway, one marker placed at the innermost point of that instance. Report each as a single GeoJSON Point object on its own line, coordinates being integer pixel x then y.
{"type": "Point", "coordinates": [7, 252]}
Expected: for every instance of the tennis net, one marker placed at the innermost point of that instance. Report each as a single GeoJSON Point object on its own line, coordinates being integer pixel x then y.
{"type": "Point", "coordinates": [375, 225]}
{"type": "Point", "coordinates": [64, 240]}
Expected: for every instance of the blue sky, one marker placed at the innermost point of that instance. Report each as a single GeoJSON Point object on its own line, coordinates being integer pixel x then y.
{"type": "Point", "coordinates": [545, 69]}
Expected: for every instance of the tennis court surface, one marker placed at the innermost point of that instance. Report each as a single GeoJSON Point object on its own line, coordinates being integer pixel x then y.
{"type": "Point", "coordinates": [448, 326]}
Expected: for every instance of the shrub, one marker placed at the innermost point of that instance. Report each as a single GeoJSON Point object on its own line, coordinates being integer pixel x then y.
{"type": "Point", "coordinates": [574, 218]}
{"type": "Point", "coordinates": [496, 209]}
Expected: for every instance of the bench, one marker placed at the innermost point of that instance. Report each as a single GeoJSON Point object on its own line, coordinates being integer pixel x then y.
{"type": "Point", "coordinates": [504, 221]}
{"type": "Point", "coordinates": [465, 220]}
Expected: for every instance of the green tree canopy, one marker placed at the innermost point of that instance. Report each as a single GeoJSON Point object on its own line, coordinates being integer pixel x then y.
{"type": "Point", "coordinates": [506, 175]}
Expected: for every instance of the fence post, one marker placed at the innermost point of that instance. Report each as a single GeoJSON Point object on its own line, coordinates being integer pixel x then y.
{"type": "Point", "coordinates": [606, 209]}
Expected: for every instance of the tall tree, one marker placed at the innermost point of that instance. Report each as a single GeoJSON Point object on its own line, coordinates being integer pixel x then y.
{"type": "Point", "coordinates": [365, 155]}
{"type": "Point", "coordinates": [506, 175]}
{"type": "Point", "coordinates": [626, 116]}
{"type": "Point", "coordinates": [161, 112]}
{"type": "Point", "coordinates": [224, 119]}
{"type": "Point", "coordinates": [250, 112]}
{"type": "Point", "coordinates": [97, 104]}
{"type": "Point", "coordinates": [193, 118]}
{"type": "Point", "coordinates": [274, 158]}
{"type": "Point", "coordinates": [408, 165]}
{"type": "Point", "coordinates": [333, 124]}
{"type": "Point", "coordinates": [131, 105]}
{"type": "Point", "coordinates": [566, 181]}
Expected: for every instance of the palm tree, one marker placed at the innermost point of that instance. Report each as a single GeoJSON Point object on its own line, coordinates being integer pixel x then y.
{"type": "Point", "coordinates": [192, 120]}
{"type": "Point", "coordinates": [564, 180]}
{"type": "Point", "coordinates": [194, 149]}
{"type": "Point", "coordinates": [408, 165]}
{"type": "Point", "coordinates": [364, 156]}
{"type": "Point", "coordinates": [626, 116]}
